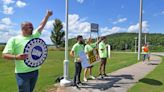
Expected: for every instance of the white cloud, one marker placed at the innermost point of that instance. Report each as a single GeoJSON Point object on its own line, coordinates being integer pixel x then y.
{"type": "Point", "coordinates": [135, 28]}
{"type": "Point", "coordinates": [8, 10]}
{"type": "Point", "coordinates": [8, 1]}
{"type": "Point", "coordinates": [106, 31]}
{"type": "Point", "coordinates": [80, 1]}
{"type": "Point", "coordinates": [77, 26]}
{"type": "Point", "coordinates": [49, 24]}
{"type": "Point", "coordinates": [120, 20]}
{"type": "Point", "coordinates": [3, 27]}
{"type": "Point", "coordinates": [7, 21]}
{"type": "Point", "coordinates": [20, 4]}
{"type": "Point", "coordinates": [6, 35]}
{"type": "Point", "coordinates": [46, 36]}
{"type": "Point", "coordinates": [6, 24]}
{"type": "Point", "coordinates": [162, 12]}
{"type": "Point", "coordinates": [159, 13]}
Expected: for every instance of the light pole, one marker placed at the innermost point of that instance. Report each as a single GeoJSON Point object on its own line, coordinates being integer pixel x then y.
{"type": "Point", "coordinates": [140, 32]}
{"type": "Point", "coordinates": [135, 44]}
{"type": "Point", "coordinates": [145, 39]}
{"type": "Point", "coordinates": [66, 81]}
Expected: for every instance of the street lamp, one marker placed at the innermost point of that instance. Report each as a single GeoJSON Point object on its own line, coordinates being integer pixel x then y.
{"type": "Point", "coordinates": [140, 31]}
{"type": "Point", "coordinates": [135, 44]}
{"type": "Point", "coordinates": [66, 81]}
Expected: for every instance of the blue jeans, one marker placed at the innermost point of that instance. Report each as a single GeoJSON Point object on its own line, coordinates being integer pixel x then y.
{"type": "Point", "coordinates": [26, 81]}
{"type": "Point", "coordinates": [145, 56]}
{"type": "Point", "coordinates": [77, 74]}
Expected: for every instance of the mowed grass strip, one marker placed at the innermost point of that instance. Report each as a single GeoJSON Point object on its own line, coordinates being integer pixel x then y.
{"type": "Point", "coordinates": [153, 82]}
{"type": "Point", "coordinates": [53, 68]}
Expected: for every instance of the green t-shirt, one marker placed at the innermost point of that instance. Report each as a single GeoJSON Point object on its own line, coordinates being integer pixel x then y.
{"type": "Point", "coordinates": [102, 53]}
{"type": "Point", "coordinates": [77, 48]}
{"type": "Point", "coordinates": [15, 46]}
{"type": "Point", "coordinates": [89, 47]}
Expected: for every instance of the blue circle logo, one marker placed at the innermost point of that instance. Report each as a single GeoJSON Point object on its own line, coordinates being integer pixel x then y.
{"type": "Point", "coordinates": [36, 52]}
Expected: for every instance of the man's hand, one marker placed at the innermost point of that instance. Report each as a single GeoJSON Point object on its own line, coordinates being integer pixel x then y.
{"type": "Point", "coordinates": [21, 56]}
{"type": "Point", "coordinates": [49, 13]}
{"type": "Point", "coordinates": [78, 60]}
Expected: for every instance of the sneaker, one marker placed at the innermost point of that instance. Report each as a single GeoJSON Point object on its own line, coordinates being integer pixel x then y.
{"type": "Point", "coordinates": [105, 75]}
{"type": "Point", "coordinates": [92, 77]}
{"type": "Point", "coordinates": [80, 84]}
{"type": "Point", "coordinates": [101, 76]}
{"type": "Point", "coordinates": [75, 85]}
{"type": "Point", "coordinates": [85, 79]}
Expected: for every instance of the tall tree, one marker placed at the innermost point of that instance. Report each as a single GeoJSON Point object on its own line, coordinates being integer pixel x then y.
{"type": "Point", "coordinates": [57, 34]}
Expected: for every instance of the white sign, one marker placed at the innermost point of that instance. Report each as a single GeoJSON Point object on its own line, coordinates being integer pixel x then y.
{"type": "Point", "coordinates": [84, 60]}
{"type": "Point", "coordinates": [109, 51]}
{"type": "Point", "coordinates": [36, 49]}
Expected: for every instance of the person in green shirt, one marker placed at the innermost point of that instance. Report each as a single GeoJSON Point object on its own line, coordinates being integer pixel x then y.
{"type": "Point", "coordinates": [103, 56]}
{"type": "Point", "coordinates": [89, 47]}
{"type": "Point", "coordinates": [26, 76]}
{"type": "Point", "coordinates": [76, 49]}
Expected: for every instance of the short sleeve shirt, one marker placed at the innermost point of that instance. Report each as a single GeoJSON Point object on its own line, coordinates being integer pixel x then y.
{"type": "Point", "coordinates": [102, 50]}
{"type": "Point", "coordinates": [77, 48]}
{"type": "Point", "coordinates": [15, 46]}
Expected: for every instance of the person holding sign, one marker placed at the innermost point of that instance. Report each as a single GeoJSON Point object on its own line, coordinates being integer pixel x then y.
{"type": "Point", "coordinates": [103, 56]}
{"type": "Point", "coordinates": [76, 49]}
{"type": "Point", "coordinates": [26, 76]}
{"type": "Point", "coordinates": [89, 50]}
{"type": "Point", "coordinates": [145, 52]}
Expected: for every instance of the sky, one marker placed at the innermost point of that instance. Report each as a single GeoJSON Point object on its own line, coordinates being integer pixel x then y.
{"type": "Point", "coordinates": [113, 16]}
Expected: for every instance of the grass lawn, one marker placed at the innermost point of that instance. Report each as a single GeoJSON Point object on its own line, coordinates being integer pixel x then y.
{"type": "Point", "coordinates": [153, 82]}
{"type": "Point", "coordinates": [53, 67]}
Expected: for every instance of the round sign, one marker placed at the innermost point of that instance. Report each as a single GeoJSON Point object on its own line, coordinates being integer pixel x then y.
{"type": "Point", "coordinates": [36, 49]}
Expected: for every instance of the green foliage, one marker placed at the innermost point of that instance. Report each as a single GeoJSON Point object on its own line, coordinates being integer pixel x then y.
{"type": "Point", "coordinates": [2, 47]}
{"type": "Point", "coordinates": [57, 34]}
{"type": "Point", "coordinates": [126, 41]}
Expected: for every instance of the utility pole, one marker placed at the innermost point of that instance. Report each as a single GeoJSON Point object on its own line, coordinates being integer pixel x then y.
{"type": "Point", "coordinates": [140, 31]}
{"type": "Point", "coordinates": [66, 81]}
{"type": "Point", "coordinates": [135, 44]}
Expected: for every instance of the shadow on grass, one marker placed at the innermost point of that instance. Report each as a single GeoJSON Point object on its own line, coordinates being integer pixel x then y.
{"type": "Point", "coordinates": [151, 81]}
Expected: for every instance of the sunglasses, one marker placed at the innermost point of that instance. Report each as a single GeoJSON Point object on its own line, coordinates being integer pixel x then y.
{"type": "Point", "coordinates": [28, 28]}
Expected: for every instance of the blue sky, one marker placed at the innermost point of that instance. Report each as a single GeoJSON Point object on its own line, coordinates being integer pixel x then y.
{"type": "Point", "coordinates": [113, 16]}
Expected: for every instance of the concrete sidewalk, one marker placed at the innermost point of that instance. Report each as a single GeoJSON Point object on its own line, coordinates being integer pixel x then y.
{"type": "Point", "coordinates": [118, 81]}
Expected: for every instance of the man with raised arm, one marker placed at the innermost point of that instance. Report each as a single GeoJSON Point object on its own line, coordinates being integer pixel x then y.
{"type": "Point", "coordinates": [26, 76]}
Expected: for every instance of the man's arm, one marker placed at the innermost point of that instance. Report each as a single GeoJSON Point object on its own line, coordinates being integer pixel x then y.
{"type": "Point", "coordinates": [14, 57]}
{"type": "Point", "coordinates": [44, 21]}
{"type": "Point", "coordinates": [71, 53]}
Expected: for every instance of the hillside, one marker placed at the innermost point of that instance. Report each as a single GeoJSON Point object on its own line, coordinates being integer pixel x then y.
{"type": "Point", "coordinates": [126, 41]}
